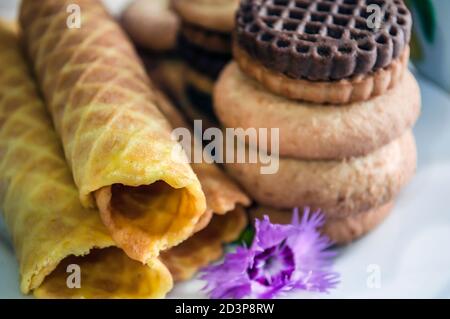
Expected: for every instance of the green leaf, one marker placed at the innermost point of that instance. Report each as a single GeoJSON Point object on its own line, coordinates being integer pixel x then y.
{"type": "Point", "coordinates": [246, 237]}
{"type": "Point", "coordinates": [425, 11]}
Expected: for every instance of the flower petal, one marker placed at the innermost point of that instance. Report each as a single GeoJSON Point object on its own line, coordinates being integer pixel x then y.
{"type": "Point", "coordinates": [230, 279]}
{"type": "Point", "coordinates": [268, 235]}
{"type": "Point", "coordinates": [281, 258]}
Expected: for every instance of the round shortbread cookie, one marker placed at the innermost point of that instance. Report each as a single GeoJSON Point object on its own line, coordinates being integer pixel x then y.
{"type": "Point", "coordinates": [217, 15]}
{"type": "Point", "coordinates": [340, 230]}
{"type": "Point", "coordinates": [151, 24]}
{"type": "Point", "coordinates": [314, 131]}
{"type": "Point", "coordinates": [344, 91]}
{"type": "Point", "coordinates": [338, 188]}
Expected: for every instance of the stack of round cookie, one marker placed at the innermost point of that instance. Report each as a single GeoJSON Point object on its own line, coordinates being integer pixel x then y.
{"type": "Point", "coordinates": [339, 90]}
{"type": "Point", "coordinates": [205, 45]}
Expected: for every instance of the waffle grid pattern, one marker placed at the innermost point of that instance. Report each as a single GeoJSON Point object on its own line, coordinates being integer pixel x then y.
{"type": "Point", "coordinates": [37, 192]}
{"type": "Point", "coordinates": [322, 39]}
{"type": "Point", "coordinates": [105, 113]}
{"type": "Point", "coordinates": [99, 97]}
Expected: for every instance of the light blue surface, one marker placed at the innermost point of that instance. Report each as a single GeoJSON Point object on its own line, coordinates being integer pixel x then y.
{"type": "Point", "coordinates": [435, 62]}
{"type": "Point", "coordinates": [9, 276]}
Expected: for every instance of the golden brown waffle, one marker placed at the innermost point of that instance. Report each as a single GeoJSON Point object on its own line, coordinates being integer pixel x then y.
{"type": "Point", "coordinates": [41, 208]}
{"type": "Point", "coordinates": [116, 141]}
{"type": "Point", "coordinates": [205, 246]}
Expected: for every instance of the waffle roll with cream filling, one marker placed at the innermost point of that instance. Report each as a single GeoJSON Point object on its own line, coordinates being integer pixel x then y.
{"type": "Point", "coordinates": [50, 229]}
{"type": "Point", "coordinates": [115, 139]}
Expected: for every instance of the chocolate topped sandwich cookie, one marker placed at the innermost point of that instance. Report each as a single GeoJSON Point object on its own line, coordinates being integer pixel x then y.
{"type": "Point", "coordinates": [360, 46]}
{"type": "Point", "coordinates": [332, 76]}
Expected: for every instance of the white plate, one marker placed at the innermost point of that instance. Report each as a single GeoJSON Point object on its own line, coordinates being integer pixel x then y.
{"type": "Point", "coordinates": [406, 257]}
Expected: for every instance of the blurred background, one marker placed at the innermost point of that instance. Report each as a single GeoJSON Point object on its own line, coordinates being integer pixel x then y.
{"type": "Point", "coordinates": [8, 8]}
{"type": "Point", "coordinates": [430, 42]}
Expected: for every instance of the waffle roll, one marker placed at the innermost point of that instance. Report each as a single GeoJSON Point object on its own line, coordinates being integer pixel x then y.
{"type": "Point", "coordinates": [116, 141]}
{"type": "Point", "coordinates": [206, 246]}
{"type": "Point", "coordinates": [223, 221]}
{"type": "Point", "coordinates": [50, 229]}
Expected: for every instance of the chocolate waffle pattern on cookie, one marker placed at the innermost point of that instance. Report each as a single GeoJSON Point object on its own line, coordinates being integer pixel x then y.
{"type": "Point", "coordinates": [322, 40]}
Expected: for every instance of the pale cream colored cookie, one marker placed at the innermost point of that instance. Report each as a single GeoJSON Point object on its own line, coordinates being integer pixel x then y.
{"type": "Point", "coordinates": [339, 188]}
{"type": "Point", "coordinates": [216, 15]}
{"type": "Point", "coordinates": [340, 230]}
{"type": "Point", "coordinates": [151, 24]}
{"type": "Point", "coordinates": [315, 131]}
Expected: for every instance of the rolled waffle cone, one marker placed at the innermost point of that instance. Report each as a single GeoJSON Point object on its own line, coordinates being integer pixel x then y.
{"type": "Point", "coordinates": [223, 221]}
{"type": "Point", "coordinates": [116, 141]}
{"type": "Point", "coordinates": [205, 246]}
{"type": "Point", "coordinates": [40, 205]}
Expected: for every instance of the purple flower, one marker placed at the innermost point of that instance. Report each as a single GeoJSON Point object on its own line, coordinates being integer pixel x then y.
{"type": "Point", "coordinates": [282, 258]}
